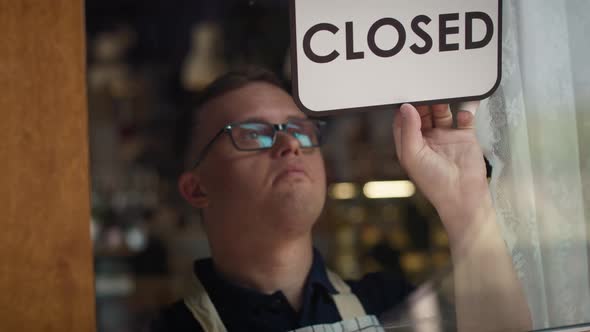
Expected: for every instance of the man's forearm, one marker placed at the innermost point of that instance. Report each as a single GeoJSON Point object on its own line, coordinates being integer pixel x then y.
{"type": "Point", "coordinates": [488, 293]}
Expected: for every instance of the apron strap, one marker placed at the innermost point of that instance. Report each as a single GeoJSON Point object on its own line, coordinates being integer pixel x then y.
{"type": "Point", "coordinates": [347, 303]}
{"type": "Point", "coordinates": [203, 310]}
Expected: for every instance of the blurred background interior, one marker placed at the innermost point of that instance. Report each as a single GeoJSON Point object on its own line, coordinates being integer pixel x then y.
{"type": "Point", "coordinates": [147, 63]}
{"type": "Point", "coordinates": [149, 60]}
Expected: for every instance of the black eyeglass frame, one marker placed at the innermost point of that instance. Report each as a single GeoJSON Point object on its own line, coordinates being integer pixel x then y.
{"type": "Point", "coordinates": [276, 129]}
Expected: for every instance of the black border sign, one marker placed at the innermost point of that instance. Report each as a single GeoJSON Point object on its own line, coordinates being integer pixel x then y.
{"type": "Point", "coordinates": [356, 53]}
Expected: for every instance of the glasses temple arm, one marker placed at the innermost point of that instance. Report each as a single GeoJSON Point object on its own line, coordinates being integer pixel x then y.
{"type": "Point", "coordinates": [207, 147]}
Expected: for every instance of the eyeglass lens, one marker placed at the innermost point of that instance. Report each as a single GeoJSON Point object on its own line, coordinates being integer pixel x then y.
{"type": "Point", "coordinates": [255, 136]}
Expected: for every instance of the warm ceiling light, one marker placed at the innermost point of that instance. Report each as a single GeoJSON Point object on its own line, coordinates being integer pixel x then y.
{"type": "Point", "coordinates": [343, 190]}
{"type": "Point", "coordinates": [389, 189]}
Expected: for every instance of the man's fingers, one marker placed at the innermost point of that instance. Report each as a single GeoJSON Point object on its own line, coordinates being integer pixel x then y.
{"type": "Point", "coordinates": [411, 135]}
{"type": "Point", "coordinates": [397, 132]}
{"type": "Point", "coordinates": [442, 116]}
{"type": "Point", "coordinates": [426, 116]}
{"type": "Point", "coordinates": [465, 120]}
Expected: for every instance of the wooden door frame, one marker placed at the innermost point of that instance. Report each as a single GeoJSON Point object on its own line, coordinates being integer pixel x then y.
{"type": "Point", "coordinates": [46, 265]}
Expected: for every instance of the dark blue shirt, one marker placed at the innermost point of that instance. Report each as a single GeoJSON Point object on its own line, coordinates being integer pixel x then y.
{"type": "Point", "coordinates": [244, 309]}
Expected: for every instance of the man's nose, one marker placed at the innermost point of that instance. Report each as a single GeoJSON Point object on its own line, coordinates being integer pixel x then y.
{"type": "Point", "coordinates": [285, 144]}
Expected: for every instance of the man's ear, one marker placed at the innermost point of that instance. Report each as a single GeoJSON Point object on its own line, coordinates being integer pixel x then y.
{"type": "Point", "coordinates": [191, 189]}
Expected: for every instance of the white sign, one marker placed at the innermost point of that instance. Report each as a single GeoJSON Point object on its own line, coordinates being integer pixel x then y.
{"type": "Point", "coordinates": [364, 54]}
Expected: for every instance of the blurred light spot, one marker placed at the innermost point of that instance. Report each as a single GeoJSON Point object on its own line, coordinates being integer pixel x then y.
{"type": "Point", "coordinates": [370, 235]}
{"type": "Point", "coordinates": [121, 285]}
{"type": "Point", "coordinates": [414, 262]}
{"type": "Point", "coordinates": [440, 238]}
{"type": "Point", "coordinates": [114, 238]}
{"type": "Point", "coordinates": [136, 239]}
{"type": "Point", "coordinates": [344, 190]}
{"type": "Point", "coordinates": [389, 189]}
{"type": "Point", "coordinates": [347, 266]}
{"type": "Point", "coordinates": [95, 229]}
{"type": "Point", "coordinates": [346, 237]}
{"type": "Point", "coordinates": [399, 239]}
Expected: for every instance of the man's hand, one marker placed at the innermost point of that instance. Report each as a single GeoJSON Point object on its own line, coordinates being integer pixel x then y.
{"type": "Point", "coordinates": [446, 163]}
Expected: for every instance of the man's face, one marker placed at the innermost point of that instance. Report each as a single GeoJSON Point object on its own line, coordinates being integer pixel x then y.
{"type": "Point", "coordinates": [280, 189]}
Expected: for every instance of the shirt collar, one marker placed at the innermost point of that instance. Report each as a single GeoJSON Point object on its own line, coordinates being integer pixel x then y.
{"type": "Point", "coordinates": [225, 289]}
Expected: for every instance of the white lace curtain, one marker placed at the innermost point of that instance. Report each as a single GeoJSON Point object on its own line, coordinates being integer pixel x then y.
{"type": "Point", "coordinates": [535, 131]}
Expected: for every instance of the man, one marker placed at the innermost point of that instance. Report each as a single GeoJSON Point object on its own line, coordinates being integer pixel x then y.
{"type": "Point", "coordinates": [258, 178]}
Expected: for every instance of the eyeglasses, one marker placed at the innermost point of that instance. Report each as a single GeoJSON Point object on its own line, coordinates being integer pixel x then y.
{"type": "Point", "coordinates": [258, 135]}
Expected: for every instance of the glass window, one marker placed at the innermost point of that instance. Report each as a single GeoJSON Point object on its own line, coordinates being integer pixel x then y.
{"type": "Point", "coordinates": [148, 65]}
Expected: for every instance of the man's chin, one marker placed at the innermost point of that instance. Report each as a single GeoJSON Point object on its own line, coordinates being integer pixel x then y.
{"type": "Point", "coordinates": [300, 205]}
{"type": "Point", "coordinates": [295, 192]}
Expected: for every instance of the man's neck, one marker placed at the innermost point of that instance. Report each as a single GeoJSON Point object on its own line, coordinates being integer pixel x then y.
{"type": "Point", "coordinates": [268, 268]}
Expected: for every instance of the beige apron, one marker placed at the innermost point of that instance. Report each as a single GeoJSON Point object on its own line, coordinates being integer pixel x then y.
{"type": "Point", "coordinates": [348, 305]}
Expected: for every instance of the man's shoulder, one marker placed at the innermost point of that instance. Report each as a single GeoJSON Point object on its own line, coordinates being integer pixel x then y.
{"type": "Point", "coordinates": [175, 317]}
{"type": "Point", "coordinates": [381, 291]}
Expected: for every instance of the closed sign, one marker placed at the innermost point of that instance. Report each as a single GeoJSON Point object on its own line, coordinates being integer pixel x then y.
{"type": "Point", "coordinates": [359, 55]}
